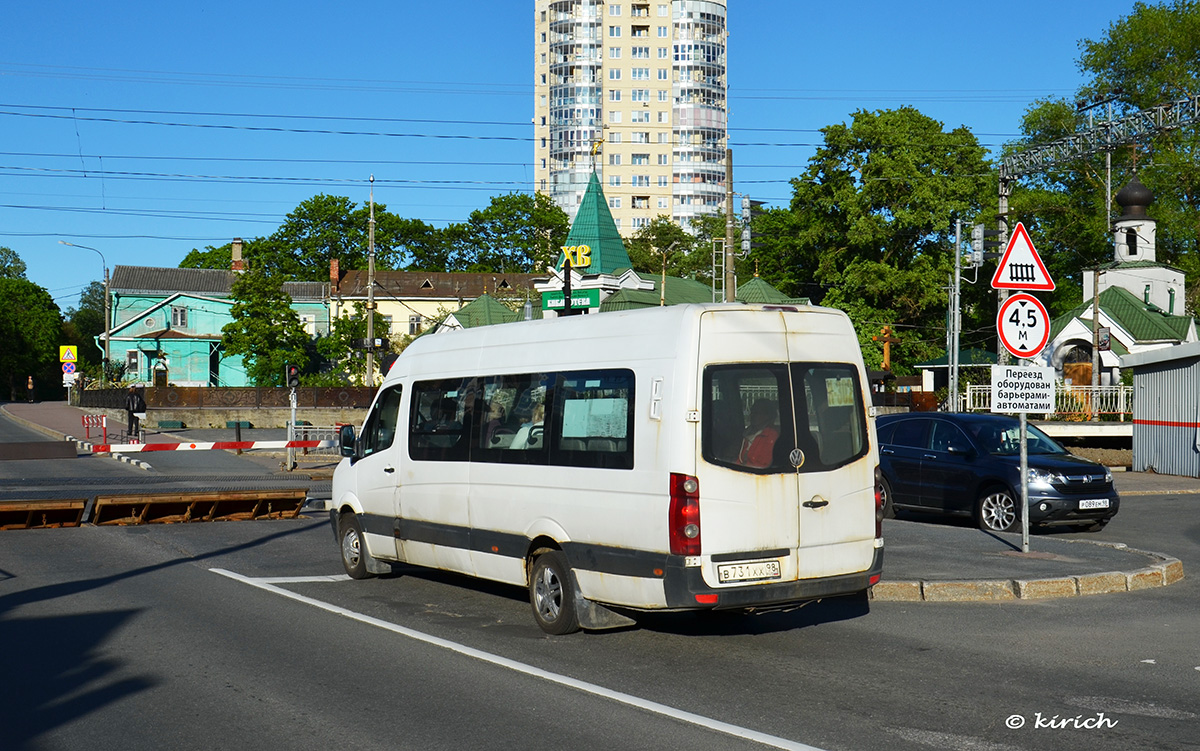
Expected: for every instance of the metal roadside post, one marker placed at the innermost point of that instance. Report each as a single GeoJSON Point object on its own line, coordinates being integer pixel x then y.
{"type": "Point", "coordinates": [1024, 482]}
{"type": "Point", "coordinates": [291, 452]}
{"type": "Point", "coordinates": [1023, 326]}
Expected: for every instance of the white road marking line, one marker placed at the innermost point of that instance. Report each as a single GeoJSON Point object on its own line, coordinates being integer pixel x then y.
{"type": "Point", "coordinates": [520, 667]}
{"type": "Point", "coordinates": [301, 579]}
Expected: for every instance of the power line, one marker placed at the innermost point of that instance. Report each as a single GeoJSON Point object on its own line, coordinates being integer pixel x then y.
{"type": "Point", "coordinates": [264, 160]}
{"type": "Point", "coordinates": [266, 129]}
{"type": "Point", "coordinates": [268, 116]}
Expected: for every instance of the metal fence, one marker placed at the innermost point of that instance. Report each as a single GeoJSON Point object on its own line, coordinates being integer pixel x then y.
{"type": "Point", "coordinates": [200, 397]}
{"type": "Point", "coordinates": [1073, 403]}
{"type": "Point", "coordinates": [318, 433]}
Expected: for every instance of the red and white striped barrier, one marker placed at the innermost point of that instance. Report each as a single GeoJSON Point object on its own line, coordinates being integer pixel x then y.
{"type": "Point", "coordinates": [95, 421]}
{"type": "Point", "coordinates": [105, 448]}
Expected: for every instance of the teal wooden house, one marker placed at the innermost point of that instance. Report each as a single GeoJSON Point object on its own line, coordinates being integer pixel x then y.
{"type": "Point", "coordinates": [166, 323]}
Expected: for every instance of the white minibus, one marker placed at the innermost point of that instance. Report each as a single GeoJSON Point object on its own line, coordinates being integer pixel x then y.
{"type": "Point", "coordinates": [678, 458]}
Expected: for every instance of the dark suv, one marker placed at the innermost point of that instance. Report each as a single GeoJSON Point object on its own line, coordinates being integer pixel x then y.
{"type": "Point", "coordinates": [969, 465]}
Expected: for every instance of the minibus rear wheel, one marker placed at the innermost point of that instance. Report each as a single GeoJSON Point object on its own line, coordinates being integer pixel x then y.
{"type": "Point", "coordinates": [354, 553]}
{"type": "Point", "coordinates": [552, 593]}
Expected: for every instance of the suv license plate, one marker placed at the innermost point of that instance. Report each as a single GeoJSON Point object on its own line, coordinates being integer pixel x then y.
{"type": "Point", "coordinates": [744, 572]}
{"type": "Point", "coordinates": [1093, 503]}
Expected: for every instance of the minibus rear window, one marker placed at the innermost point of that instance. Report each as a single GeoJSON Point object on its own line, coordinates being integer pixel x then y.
{"type": "Point", "coordinates": [755, 415]}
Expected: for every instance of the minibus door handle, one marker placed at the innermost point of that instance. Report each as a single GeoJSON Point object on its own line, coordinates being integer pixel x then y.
{"type": "Point", "coordinates": [816, 502]}
{"type": "Point", "coordinates": [389, 470]}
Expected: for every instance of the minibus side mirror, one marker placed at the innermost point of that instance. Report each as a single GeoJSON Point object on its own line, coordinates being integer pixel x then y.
{"type": "Point", "coordinates": [346, 440]}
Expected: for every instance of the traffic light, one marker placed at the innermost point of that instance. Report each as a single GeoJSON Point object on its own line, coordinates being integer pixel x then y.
{"type": "Point", "coordinates": [293, 375]}
{"type": "Point", "coordinates": [981, 246]}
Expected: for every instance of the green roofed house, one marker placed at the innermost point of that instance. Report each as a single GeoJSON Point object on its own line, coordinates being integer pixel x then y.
{"type": "Point", "coordinates": [167, 323]}
{"type": "Point", "coordinates": [1140, 301]}
{"type": "Point", "coordinates": [758, 290]}
{"type": "Point", "coordinates": [484, 310]}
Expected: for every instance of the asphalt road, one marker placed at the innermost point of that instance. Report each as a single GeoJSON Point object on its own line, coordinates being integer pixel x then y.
{"type": "Point", "coordinates": [240, 635]}
{"type": "Point", "coordinates": [127, 638]}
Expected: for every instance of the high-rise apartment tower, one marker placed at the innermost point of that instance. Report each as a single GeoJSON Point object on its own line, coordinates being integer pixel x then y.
{"type": "Point", "coordinates": [635, 90]}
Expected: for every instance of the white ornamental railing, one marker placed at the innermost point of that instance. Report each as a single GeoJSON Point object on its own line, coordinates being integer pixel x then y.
{"type": "Point", "coordinates": [1070, 402]}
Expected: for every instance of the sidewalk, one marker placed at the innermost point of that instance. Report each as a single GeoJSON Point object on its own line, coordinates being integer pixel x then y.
{"type": "Point", "coordinates": [60, 421]}
{"type": "Point", "coordinates": [932, 562]}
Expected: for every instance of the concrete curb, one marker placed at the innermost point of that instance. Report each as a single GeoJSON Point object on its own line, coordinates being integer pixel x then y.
{"type": "Point", "coordinates": [1163, 571]}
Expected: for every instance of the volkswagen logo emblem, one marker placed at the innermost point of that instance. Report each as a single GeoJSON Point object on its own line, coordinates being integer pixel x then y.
{"type": "Point", "coordinates": [796, 457]}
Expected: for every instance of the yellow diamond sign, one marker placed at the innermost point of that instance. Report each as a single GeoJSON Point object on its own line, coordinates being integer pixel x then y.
{"type": "Point", "coordinates": [66, 353]}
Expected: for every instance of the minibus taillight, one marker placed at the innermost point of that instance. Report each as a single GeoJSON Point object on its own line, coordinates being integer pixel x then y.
{"type": "Point", "coordinates": [684, 517]}
{"type": "Point", "coordinates": [878, 503]}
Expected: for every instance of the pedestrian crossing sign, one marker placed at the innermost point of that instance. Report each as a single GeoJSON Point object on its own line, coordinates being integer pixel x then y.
{"type": "Point", "coordinates": [66, 353]}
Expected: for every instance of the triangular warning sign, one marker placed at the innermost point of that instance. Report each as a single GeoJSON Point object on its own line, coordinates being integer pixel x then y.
{"type": "Point", "coordinates": [1021, 267]}
{"type": "Point", "coordinates": [66, 354]}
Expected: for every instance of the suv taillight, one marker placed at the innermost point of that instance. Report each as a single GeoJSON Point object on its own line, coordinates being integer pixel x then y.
{"type": "Point", "coordinates": [684, 519]}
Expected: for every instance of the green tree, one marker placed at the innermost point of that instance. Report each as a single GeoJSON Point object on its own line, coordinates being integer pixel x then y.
{"type": "Point", "coordinates": [687, 255]}
{"type": "Point", "coordinates": [84, 323]}
{"type": "Point", "coordinates": [31, 339]}
{"type": "Point", "coordinates": [209, 258]}
{"type": "Point", "coordinates": [265, 330]}
{"type": "Point", "coordinates": [516, 233]}
{"type": "Point", "coordinates": [871, 226]}
{"type": "Point", "coordinates": [1147, 58]}
{"type": "Point", "coordinates": [341, 362]}
{"type": "Point", "coordinates": [317, 231]}
{"type": "Point", "coordinates": [11, 265]}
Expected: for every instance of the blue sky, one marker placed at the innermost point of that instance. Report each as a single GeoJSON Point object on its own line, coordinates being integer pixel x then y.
{"type": "Point", "coordinates": [144, 130]}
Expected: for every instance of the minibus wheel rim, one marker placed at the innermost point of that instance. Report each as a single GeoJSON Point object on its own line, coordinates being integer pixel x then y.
{"type": "Point", "coordinates": [548, 591]}
{"type": "Point", "coordinates": [351, 547]}
{"type": "Point", "coordinates": [552, 592]}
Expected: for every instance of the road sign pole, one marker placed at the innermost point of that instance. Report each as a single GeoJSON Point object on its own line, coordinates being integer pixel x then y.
{"type": "Point", "coordinates": [1024, 483]}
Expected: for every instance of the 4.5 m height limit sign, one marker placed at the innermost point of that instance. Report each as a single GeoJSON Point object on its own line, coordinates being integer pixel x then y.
{"type": "Point", "coordinates": [1023, 325]}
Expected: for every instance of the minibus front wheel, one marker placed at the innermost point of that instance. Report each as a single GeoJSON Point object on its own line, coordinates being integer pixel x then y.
{"type": "Point", "coordinates": [354, 554]}
{"type": "Point", "coordinates": [552, 593]}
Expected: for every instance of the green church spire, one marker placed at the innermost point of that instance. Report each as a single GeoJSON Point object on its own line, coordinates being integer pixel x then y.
{"type": "Point", "coordinates": [594, 227]}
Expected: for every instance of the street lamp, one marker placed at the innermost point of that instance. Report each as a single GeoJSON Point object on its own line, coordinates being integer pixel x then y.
{"type": "Point", "coordinates": [107, 317]}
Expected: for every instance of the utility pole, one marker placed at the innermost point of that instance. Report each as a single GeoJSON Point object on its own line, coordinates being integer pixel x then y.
{"type": "Point", "coordinates": [370, 379]}
{"type": "Point", "coordinates": [955, 316]}
{"type": "Point", "coordinates": [730, 274]}
{"type": "Point", "coordinates": [1095, 415]}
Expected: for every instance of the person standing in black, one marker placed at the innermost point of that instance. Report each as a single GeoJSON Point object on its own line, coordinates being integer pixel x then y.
{"type": "Point", "coordinates": [29, 389]}
{"type": "Point", "coordinates": [134, 405]}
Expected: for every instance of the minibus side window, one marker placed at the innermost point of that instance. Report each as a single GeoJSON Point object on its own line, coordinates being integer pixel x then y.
{"type": "Point", "coordinates": [593, 419]}
{"type": "Point", "coordinates": [440, 419]}
{"type": "Point", "coordinates": [514, 429]}
{"type": "Point", "coordinates": [573, 419]}
{"type": "Point", "coordinates": [379, 431]}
